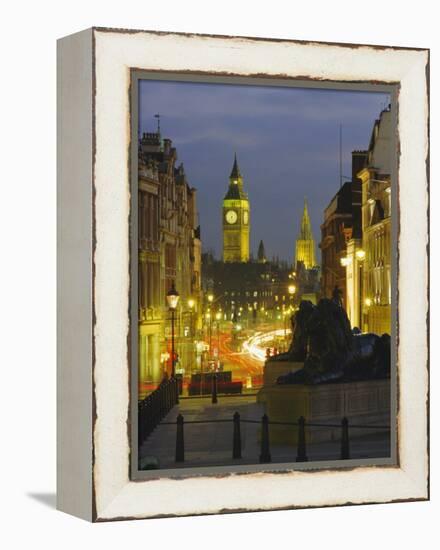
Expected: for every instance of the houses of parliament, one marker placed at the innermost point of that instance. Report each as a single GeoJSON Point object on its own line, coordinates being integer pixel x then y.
{"type": "Point", "coordinates": [250, 289]}
{"type": "Point", "coordinates": [236, 227]}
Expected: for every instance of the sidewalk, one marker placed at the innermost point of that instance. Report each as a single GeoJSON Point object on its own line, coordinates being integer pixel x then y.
{"type": "Point", "coordinates": [210, 444]}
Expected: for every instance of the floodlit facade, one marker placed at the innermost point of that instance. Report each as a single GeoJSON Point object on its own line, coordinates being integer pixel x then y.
{"type": "Point", "coordinates": [236, 219]}
{"type": "Point", "coordinates": [305, 243]}
{"type": "Point", "coordinates": [169, 252]}
{"type": "Point", "coordinates": [368, 256]}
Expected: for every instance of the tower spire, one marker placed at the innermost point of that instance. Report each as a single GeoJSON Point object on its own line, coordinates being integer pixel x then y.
{"type": "Point", "coordinates": [236, 219]}
{"type": "Point", "coordinates": [261, 253]}
{"type": "Point", "coordinates": [235, 173]}
{"type": "Point", "coordinates": [306, 226]}
{"type": "Point", "coordinates": [305, 244]}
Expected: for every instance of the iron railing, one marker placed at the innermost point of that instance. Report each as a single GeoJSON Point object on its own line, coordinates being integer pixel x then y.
{"type": "Point", "coordinates": [155, 406]}
{"type": "Point", "coordinates": [265, 454]}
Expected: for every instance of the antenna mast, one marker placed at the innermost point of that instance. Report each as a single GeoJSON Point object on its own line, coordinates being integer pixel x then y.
{"type": "Point", "coordinates": [158, 122]}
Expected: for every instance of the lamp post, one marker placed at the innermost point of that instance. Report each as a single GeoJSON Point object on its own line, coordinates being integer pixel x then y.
{"type": "Point", "coordinates": [173, 300]}
{"type": "Point", "coordinates": [218, 316]}
{"type": "Point", "coordinates": [193, 351]}
{"type": "Point", "coordinates": [360, 256]}
{"type": "Point", "coordinates": [210, 336]}
{"type": "Point", "coordinates": [292, 290]}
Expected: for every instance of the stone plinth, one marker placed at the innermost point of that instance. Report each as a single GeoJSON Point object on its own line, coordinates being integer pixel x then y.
{"type": "Point", "coordinates": [361, 402]}
{"type": "Point", "coordinates": [273, 369]}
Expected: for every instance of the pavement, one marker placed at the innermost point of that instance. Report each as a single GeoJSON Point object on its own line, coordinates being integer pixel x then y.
{"type": "Point", "coordinates": [210, 444]}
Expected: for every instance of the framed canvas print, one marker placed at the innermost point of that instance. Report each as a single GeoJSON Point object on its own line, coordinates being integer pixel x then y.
{"type": "Point", "coordinates": [242, 274]}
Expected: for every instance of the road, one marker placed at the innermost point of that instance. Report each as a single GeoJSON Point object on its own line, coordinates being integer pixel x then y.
{"type": "Point", "coordinates": [241, 364]}
{"type": "Point", "coordinates": [245, 358]}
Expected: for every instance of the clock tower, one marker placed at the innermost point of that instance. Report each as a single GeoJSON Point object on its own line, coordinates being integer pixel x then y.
{"type": "Point", "coordinates": [236, 219]}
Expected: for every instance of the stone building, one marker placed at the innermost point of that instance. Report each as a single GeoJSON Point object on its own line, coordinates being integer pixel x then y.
{"type": "Point", "coordinates": [376, 228]}
{"type": "Point", "coordinates": [366, 264]}
{"type": "Point", "coordinates": [305, 243]}
{"type": "Point", "coordinates": [342, 222]}
{"type": "Point", "coordinates": [236, 219]}
{"type": "Point", "coordinates": [149, 275]}
{"type": "Point", "coordinates": [169, 252]}
{"type": "Point", "coordinates": [251, 292]}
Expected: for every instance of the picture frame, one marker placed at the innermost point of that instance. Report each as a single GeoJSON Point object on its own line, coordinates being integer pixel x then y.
{"type": "Point", "coordinates": [96, 340]}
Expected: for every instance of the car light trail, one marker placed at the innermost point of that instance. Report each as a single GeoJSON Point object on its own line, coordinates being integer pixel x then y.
{"type": "Point", "coordinates": [256, 346]}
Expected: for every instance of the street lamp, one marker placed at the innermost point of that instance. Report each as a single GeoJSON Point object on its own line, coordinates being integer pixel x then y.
{"type": "Point", "coordinates": [218, 316]}
{"type": "Point", "coordinates": [191, 304]}
{"type": "Point", "coordinates": [173, 300]}
{"type": "Point", "coordinates": [209, 318]}
{"type": "Point", "coordinates": [192, 333]}
{"type": "Point", "coordinates": [292, 289]}
{"type": "Point", "coordinates": [360, 256]}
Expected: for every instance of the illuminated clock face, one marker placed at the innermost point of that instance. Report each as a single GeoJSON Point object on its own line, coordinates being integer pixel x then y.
{"type": "Point", "coordinates": [245, 217]}
{"type": "Point", "coordinates": [231, 216]}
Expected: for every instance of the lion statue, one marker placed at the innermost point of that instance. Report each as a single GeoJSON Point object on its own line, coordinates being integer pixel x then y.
{"type": "Point", "coordinates": [330, 349]}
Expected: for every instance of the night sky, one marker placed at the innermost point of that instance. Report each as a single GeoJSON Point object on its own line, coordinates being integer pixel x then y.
{"type": "Point", "coordinates": [287, 145]}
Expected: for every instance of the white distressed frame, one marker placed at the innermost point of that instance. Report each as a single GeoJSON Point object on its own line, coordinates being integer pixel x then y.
{"type": "Point", "coordinates": [114, 495]}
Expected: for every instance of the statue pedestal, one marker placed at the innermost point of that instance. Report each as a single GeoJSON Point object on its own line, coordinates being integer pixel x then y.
{"type": "Point", "coordinates": [273, 369]}
{"type": "Point", "coordinates": [365, 402]}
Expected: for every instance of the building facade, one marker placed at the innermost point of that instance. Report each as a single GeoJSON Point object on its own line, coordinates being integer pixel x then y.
{"type": "Point", "coordinates": [305, 243]}
{"type": "Point", "coordinates": [236, 219]}
{"type": "Point", "coordinates": [342, 222]}
{"type": "Point", "coordinates": [250, 293]}
{"type": "Point", "coordinates": [169, 253]}
{"type": "Point", "coordinates": [367, 262]}
{"type": "Point", "coordinates": [376, 227]}
{"type": "Point", "coordinates": [149, 275]}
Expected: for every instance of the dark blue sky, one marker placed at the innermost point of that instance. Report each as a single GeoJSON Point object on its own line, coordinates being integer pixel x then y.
{"type": "Point", "coordinates": [287, 144]}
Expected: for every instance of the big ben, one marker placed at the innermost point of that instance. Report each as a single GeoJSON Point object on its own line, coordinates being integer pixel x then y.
{"type": "Point", "coordinates": [236, 219]}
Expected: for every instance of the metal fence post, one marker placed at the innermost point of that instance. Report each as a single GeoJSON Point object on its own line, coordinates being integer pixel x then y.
{"type": "Point", "coordinates": [162, 404]}
{"type": "Point", "coordinates": [345, 443]}
{"type": "Point", "coordinates": [301, 455]}
{"type": "Point", "coordinates": [265, 450]}
{"type": "Point", "coordinates": [180, 445]}
{"type": "Point", "coordinates": [236, 439]}
{"type": "Point", "coordinates": [214, 389]}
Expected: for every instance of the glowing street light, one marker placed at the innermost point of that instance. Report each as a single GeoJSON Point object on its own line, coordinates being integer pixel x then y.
{"type": "Point", "coordinates": [360, 254]}
{"type": "Point", "coordinates": [292, 289]}
{"type": "Point", "coordinates": [191, 303]}
{"type": "Point", "coordinates": [172, 300]}
{"type": "Point", "coordinates": [345, 261]}
{"type": "Point", "coordinates": [210, 298]}
{"type": "Point", "coordinates": [368, 302]}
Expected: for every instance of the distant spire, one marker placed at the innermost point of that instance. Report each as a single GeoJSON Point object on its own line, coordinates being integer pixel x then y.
{"type": "Point", "coordinates": [305, 244]}
{"type": "Point", "coordinates": [235, 173]}
{"type": "Point", "coordinates": [261, 253]}
{"type": "Point", "coordinates": [306, 226]}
